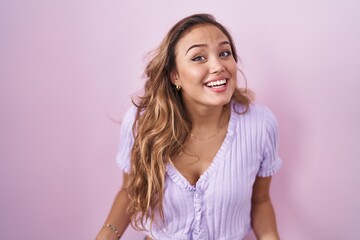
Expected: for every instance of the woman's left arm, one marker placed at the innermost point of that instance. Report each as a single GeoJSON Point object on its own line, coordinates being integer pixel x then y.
{"type": "Point", "coordinates": [262, 212]}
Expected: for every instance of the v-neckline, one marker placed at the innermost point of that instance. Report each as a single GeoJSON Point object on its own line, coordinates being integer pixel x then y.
{"type": "Point", "coordinates": [177, 177]}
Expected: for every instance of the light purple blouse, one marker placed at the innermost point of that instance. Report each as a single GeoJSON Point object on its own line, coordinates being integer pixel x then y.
{"type": "Point", "coordinates": [218, 205]}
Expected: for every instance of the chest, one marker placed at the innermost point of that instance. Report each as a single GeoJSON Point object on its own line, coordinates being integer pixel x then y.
{"type": "Point", "coordinates": [197, 156]}
{"type": "Point", "coordinates": [224, 188]}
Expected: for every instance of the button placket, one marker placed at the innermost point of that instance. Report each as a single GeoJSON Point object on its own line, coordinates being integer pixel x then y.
{"type": "Point", "coordinates": [199, 208]}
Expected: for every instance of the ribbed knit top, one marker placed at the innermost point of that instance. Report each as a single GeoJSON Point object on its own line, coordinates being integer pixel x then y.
{"type": "Point", "coordinates": [218, 206]}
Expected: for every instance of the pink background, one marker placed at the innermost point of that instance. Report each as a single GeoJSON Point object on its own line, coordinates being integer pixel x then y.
{"type": "Point", "coordinates": [69, 68]}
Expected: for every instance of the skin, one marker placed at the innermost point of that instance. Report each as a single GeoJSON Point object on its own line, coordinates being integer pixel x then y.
{"type": "Point", "coordinates": [203, 54]}
{"type": "Point", "coordinates": [262, 212]}
{"type": "Point", "coordinates": [117, 216]}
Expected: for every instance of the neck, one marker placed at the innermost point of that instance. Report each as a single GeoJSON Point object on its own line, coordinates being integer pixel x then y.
{"type": "Point", "coordinates": [209, 121]}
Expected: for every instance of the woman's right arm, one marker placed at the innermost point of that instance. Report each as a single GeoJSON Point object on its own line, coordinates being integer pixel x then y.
{"type": "Point", "coordinates": [118, 216]}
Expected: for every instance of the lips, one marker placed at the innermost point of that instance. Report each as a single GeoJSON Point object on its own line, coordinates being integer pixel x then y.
{"type": "Point", "coordinates": [216, 83]}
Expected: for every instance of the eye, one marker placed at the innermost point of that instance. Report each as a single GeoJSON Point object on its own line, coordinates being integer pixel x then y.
{"type": "Point", "coordinates": [198, 59]}
{"type": "Point", "coordinates": [225, 53]}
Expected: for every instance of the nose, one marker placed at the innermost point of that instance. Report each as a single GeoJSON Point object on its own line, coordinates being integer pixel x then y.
{"type": "Point", "coordinates": [216, 65]}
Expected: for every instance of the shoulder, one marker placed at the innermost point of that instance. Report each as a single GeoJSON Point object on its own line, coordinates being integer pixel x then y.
{"type": "Point", "coordinates": [126, 139]}
{"type": "Point", "coordinates": [256, 112]}
{"type": "Point", "coordinates": [127, 122]}
{"type": "Point", "coordinates": [258, 121]}
{"type": "Point", "coordinates": [129, 116]}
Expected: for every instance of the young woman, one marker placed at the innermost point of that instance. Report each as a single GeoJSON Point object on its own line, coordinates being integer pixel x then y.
{"type": "Point", "coordinates": [197, 154]}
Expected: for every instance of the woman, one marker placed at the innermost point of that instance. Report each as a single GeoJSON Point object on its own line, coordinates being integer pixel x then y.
{"type": "Point", "coordinates": [197, 154]}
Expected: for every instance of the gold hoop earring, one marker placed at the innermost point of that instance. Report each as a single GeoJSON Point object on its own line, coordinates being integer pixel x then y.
{"type": "Point", "coordinates": [178, 87]}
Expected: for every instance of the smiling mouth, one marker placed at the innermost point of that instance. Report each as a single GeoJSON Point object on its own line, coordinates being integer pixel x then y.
{"type": "Point", "coordinates": [217, 84]}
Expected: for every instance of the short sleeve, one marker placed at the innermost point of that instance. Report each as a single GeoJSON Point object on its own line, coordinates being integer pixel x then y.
{"type": "Point", "coordinates": [271, 162]}
{"type": "Point", "coordinates": [126, 140]}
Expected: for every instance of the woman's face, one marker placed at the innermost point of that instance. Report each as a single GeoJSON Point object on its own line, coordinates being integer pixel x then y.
{"type": "Point", "coordinates": [206, 68]}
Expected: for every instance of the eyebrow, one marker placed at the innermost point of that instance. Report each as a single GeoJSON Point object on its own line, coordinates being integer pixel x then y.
{"type": "Point", "coordinates": [204, 45]}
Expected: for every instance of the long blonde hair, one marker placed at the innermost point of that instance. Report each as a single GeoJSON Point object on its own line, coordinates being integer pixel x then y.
{"type": "Point", "coordinates": [162, 125]}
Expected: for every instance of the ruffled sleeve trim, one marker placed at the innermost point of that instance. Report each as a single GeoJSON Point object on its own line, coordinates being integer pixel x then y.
{"type": "Point", "coordinates": [272, 170]}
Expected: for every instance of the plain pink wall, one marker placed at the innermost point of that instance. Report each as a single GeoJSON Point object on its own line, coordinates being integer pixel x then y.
{"type": "Point", "coordinates": [69, 68]}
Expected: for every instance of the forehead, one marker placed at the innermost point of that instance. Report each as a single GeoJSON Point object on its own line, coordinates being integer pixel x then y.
{"type": "Point", "coordinates": [201, 34]}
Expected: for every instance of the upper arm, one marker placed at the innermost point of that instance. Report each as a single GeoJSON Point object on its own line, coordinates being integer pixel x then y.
{"type": "Point", "coordinates": [261, 189]}
{"type": "Point", "coordinates": [125, 182]}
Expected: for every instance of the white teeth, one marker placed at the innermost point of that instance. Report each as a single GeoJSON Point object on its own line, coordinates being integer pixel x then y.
{"type": "Point", "coordinates": [216, 83]}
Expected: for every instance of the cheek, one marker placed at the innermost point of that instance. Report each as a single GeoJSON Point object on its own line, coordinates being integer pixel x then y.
{"type": "Point", "coordinates": [191, 75]}
{"type": "Point", "coordinates": [233, 67]}
{"type": "Point", "coordinates": [233, 71]}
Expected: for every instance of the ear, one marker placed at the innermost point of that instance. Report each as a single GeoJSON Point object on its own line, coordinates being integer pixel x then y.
{"type": "Point", "coordinates": [174, 76]}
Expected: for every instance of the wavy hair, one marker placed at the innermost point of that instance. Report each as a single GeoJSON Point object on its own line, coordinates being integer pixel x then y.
{"type": "Point", "coordinates": [162, 126]}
